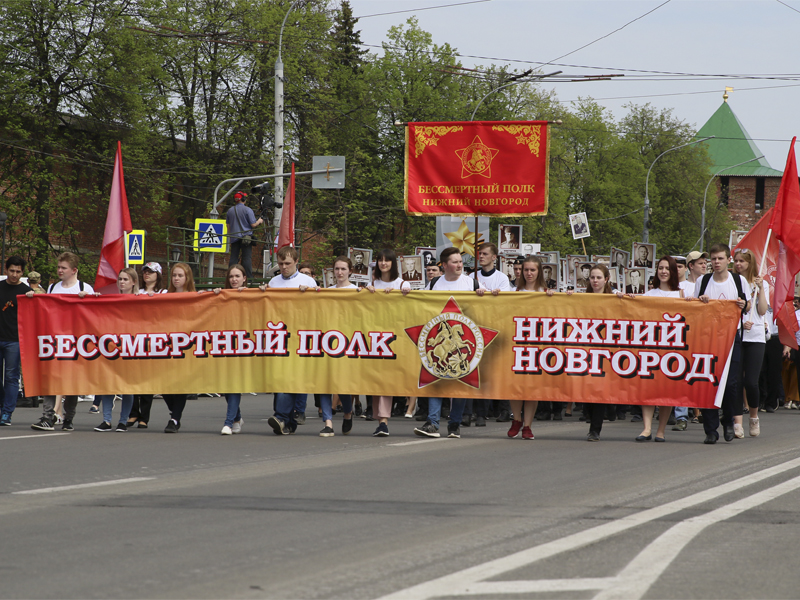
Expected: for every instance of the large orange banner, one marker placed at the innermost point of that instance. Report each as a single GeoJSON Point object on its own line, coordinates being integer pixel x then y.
{"type": "Point", "coordinates": [497, 168]}
{"type": "Point", "coordinates": [593, 348]}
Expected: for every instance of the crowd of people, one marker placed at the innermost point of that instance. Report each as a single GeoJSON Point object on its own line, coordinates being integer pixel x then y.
{"type": "Point", "coordinates": [754, 378]}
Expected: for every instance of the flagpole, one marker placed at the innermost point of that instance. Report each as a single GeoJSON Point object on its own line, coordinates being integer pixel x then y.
{"type": "Point", "coordinates": [764, 254]}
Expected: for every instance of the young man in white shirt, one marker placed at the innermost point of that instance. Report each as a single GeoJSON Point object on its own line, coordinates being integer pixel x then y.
{"type": "Point", "coordinates": [494, 281]}
{"type": "Point", "coordinates": [696, 267]}
{"type": "Point", "coordinates": [290, 409]}
{"type": "Point", "coordinates": [721, 285]}
{"type": "Point", "coordinates": [68, 284]}
{"type": "Point", "coordinates": [453, 280]}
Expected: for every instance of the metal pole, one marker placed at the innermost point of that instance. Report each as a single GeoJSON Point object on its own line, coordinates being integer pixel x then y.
{"type": "Point", "coordinates": [646, 230]}
{"type": "Point", "coordinates": [278, 147]}
{"type": "Point", "coordinates": [705, 194]}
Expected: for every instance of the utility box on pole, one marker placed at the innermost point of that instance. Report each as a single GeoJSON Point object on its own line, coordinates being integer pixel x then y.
{"type": "Point", "coordinates": [327, 180]}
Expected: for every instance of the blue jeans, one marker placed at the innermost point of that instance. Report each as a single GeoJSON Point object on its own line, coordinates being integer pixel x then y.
{"type": "Point", "coordinates": [233, 414]}
{"type": "Point", "coordinates": [681, 413]}
{"type": "Point", "coordinates": [456, 410]}
{"type": "Point", "coordinates": [125, 409]}
{"type": "Point", "coordinates": [9, 387]}
{"type": "Point", "coordinates": [325, 404]}
{"type": "Point", "coordinates": [286, 404]}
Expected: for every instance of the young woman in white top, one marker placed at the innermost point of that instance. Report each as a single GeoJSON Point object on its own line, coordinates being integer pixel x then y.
{"type": "Point", "coordinates": [235, 279]}
{"type": "Point", "coordinates": [386, 277]}
{"type": "Point", "coordinates": [152, 280]}
{"type": "Point", "coordinates": [531, 280]}
{"type": "Point", "coordinates": [181, 281]}
{"type": "Point", "coordinates": [754, 341]}
{"type": "Point", "coordinates": [127, 283]}
{"type": "Point", "coordinates": [667, 286]}
{"type": "Point", "coordinates": [342, 267]}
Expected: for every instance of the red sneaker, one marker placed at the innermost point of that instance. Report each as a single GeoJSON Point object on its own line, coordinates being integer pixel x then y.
{"type": "Point", "coordinates": [514, 429]}
{"type": "Point", "coordinates": [527, 434]}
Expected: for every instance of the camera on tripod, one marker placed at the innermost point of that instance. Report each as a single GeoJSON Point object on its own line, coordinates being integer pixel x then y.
{"type": "Point", "coordinates": [266, 201]}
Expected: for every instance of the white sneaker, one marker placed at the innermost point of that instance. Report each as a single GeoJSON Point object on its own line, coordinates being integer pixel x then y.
{"type": "Point", "coordinates": [792, 405]}
{"type": "Point", "coordinates": [237, 426]}
{"type": "Point", "coordinates": [409, 416]}
{"type": "Point", "coordinates": [738, 431]}
{"type": "Point", "coordinates": [226, 430]}
{"type": "Point", "coordinates": [755, 427]}
{"type": "Point", "coordinates": [59, 420]}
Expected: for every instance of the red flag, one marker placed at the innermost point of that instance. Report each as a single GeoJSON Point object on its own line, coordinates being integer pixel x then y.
{"type": "Point", "coordinates": [785, 225]}
{"type": "Point", "coordinates": [755, 240]}
{"type": "Point", "coordinates": [118, 221]}
{"type": "Point", "coordinates": [286, 231]}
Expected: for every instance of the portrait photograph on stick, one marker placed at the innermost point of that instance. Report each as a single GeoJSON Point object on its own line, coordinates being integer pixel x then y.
{"type": "Point", "coordinates": [550, 275]}
{"type": "Point", "coordinates": [735, 237]}
{"type": "Point", "coordinates": [644, 255]}
{"type": "Point", "coordinates": [412, 270]}
{"type": "Point", "coordinates": [580, 226]}
{"type": "Point", "coordinates": [581, 280]}
{"type": "Point", "coordinates": [509, 238]}
{"type": "Point", "coordinates": [574, 261]}
{"type": "Point", "coordinates": [361, 257]}
{"type": "Point", "coordinates": [620, 258]}
{"type": "Point", "coordinates": [635, 280]}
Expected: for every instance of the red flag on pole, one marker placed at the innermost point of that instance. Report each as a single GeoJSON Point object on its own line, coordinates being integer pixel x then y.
{"type": "Point", "coordinates": [118, 221]}
{"type": "Point", "coordinates": [785, 225]}
{"type": "Point", "coordinates": [286, 231]}
{"type": "Point", "coordinates": [756, 241]}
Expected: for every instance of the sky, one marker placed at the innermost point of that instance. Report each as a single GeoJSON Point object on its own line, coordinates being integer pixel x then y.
{"type": "Point", "coordinates": [749, 45]}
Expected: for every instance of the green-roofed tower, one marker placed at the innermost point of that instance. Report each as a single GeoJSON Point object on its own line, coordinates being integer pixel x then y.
{"type": "Point", "coordinates": [750, 189]}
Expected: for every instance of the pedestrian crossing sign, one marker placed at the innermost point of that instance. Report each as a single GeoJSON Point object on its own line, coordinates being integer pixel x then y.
{"type": "Point", "coordinates": [210, 235]}
{"type": "Point", "coordinates": [134, 247]}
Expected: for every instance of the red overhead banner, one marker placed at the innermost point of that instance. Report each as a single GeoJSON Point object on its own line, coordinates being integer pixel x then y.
{"type": "Point", "coordinates": [497, 168]}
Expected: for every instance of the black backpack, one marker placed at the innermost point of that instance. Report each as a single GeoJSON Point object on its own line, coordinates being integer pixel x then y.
{"type": "Point", "coordinates": [736, 279]}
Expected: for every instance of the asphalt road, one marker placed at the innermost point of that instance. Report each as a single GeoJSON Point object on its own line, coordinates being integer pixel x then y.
{"type": "Point", "coordinates": [199, 515]}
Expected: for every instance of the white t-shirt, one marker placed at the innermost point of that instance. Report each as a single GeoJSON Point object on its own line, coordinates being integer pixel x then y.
{"type": "Point", "coordinates": [757, 333]}
{"type": "Point", "coordinates": [659, 293]}
{"type": "Point", "coordinates": [723, 291]}
{"type": "Point", "coordinates": [462, 284]}
{"type": "Point", "coordinates": [539, 291]}
{"type": "Point", "coordinates": [143, 291]}
{"type": "Point", "coordinates": [496, 280]}
{"type": "Point", "coordinates": [349, 286]}
{"type": "Point", "coordinates": [688, 288]}
{"type": "Point", "coordinates": [75, 289]}
{"type": "Point", "coordinates": [397, 284]}
{"type": "Point", "coordinates": [295, 281]}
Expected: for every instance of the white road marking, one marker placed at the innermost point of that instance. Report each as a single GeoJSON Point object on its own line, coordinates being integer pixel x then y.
{"type": "Point", "coordinates": [36, 435]}
{"type": "Point", "coordinates": [81, 486]}
{"type": "Point", "coordinates": [417, 442]}
{"type": "Point", "coordinates": [472, 581]}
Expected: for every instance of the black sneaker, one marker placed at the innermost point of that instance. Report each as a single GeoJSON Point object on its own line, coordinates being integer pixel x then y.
{"type": "Point", "coordinates": [277, 426]}
{"type": "Point", "coordinates": [105, 427]}
{"type": "Point", "coordinates": [300, 417]}
{"type": "Point", "coordinates": [67, 425]}
{"type": "Point", "coordinates": [122, 427]}
{"type": "Point", "coordinates": [427, 430]}
{"type": "Point", "coordinates": [172, 427]}
{"type": "Point", "coordinates": [504, 417]}
{"type": "Point", "coordinates": [592, 437]}
{"type": "Point", "coordinates": [347, 425]}
{"type": "Point", "coordinates": [326, 432]}
{"type": "Point", "coordinates": [453, 430]}
{"type": "Point", "coordinates": [480, 421]}
{"type": "Point", "coordinates": [42, 425]}
{"type": "Point", "coordinates": [466, 420]}
{"type": "Point", "coordinates": [368, 415]}
{"type": "Point", "coordinates": [382, 431]}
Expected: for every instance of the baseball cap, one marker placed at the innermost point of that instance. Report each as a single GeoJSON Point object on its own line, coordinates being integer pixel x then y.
{"type": "Point", "coordinates": [153, 266]}
{"type": "Point", "coordinates": [693, 256]}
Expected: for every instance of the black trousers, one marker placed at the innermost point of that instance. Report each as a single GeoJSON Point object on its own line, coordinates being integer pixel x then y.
{"type": "Point", "coordinates": [142, 403]}
{"type": "Point", "coordinates": [731, 397]}
{"type": "Point", "coordinates": [771, 382]}
{"type": "Point", "coordinates": [175, 403]}
{"type": "Point", "coordinates": [752, 358]}
{"type": "Point", "coordinates": [594, 415]}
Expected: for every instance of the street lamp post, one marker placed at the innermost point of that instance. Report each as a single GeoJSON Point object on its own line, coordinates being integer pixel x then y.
{"type": "Point", "coordinates": [705, 194]}
{"type": "Point", "coordinates": [646, 229]}
{"type": "Point", "coordinates": [278, 148]}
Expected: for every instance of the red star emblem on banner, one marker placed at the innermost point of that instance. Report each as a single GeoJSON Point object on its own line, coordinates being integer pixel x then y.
{"type": "Point", "coordinates": [451, 346]}
{"type": "Point", "coordinates": [476, 159]}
